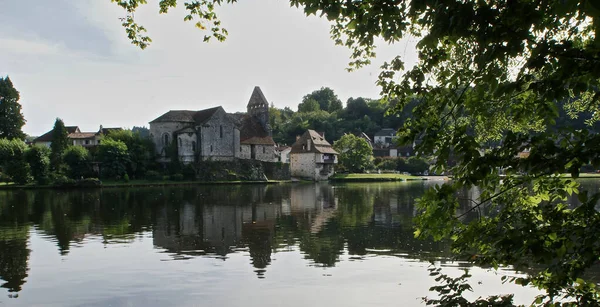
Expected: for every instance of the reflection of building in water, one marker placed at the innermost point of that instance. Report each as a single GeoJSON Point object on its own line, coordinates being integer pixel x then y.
{"type": "Point", "coordinates": [197, 229]}
{"type": "Point", "coordinates": [316, 202]}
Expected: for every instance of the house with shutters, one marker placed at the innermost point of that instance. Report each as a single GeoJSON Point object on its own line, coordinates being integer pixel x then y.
{"type": "Point", "coordinates": [213, 134]}
{"type": "Point", "coordinates": [312, 157]}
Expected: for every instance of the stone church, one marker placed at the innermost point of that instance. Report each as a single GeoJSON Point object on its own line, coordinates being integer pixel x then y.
{"type": "Point", "coordinates": [213, 134]}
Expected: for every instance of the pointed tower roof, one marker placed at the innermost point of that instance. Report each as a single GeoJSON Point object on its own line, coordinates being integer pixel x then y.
{"type": "Point", "coordinates": [257, 99]}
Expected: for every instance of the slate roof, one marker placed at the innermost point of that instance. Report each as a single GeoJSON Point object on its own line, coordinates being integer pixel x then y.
{"type": "Point", "coordinates": [47, 137]}
{"type": "Point", "coordinates": [252, 132]}
{"type": "Point", "coordinates": [187, 116]}
{"type": "Point", "coordinates": [257, 98]}
{"type": "Point", "coordinates": [82, 135]}
{"type": "Point", "coordinates": [386, 132]}
{"type": "Point", "coordinates": [318, 144]}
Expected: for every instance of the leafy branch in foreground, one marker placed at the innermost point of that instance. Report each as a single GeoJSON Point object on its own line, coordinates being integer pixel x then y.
{"type": "Point", "coordinates": [492, 80]}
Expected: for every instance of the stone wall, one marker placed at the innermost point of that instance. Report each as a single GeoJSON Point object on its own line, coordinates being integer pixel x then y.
{"type": "Point", "coordinates": [158, 132]}
{"type": "Point", "coordinates": [244, 152]}
{"type": "Point", "coordinates": [303, 165]}
{"type": "Point", "coordinates": [186, 144]}
{"type": "Point", "coordinates": [245, 170]}
{"type": "Point", "coordinates": [265, 153]}
{"type": "Point", "coordinates": [277, 170]}
{"type": "Point", "coordinates": [218, 138]}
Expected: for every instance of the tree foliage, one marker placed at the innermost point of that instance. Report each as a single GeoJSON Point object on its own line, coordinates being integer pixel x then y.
{"type": "Point", "coordinates": [355, 154]}
{"type": "Point", "coordinates": [326, 98]}
{"type": "Point", "coordinates": [12, 160]}
{"type": "Point", "coordinates": [11, 117]}
{"type": "Point", "coordinates": [114, 158]}
{"type": "Point", "coordinates": [140, 151]}
{"type": "Point", "coordinates": [77, 159]}
{"type": "Point", "coordinates": [60, 141]}
{"type": "Point", "coordinates": [38, 157]}
{"type": "Point", "coordinates": [490, 72]}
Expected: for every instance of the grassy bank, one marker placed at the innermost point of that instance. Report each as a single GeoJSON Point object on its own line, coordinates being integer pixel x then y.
{"type": "Point", "coordinates": [374, 177]}
{"type": "Point", "coordinates": [137, 183]}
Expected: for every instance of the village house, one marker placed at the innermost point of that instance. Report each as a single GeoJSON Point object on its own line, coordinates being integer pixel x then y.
{"type": "Point", "coordinates": [312, 157]}
{"type": "Point", "coordinates": [76, 137]}
{"type": "Point", "coordinates": [213, 134]}
{"type": "Point", "coordinates": [282, 154]}
{"type": "Point", "coordinates": [386, 145]}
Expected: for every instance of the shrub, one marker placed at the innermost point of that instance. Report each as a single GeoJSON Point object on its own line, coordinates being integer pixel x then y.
{"type": "Point", "coordinates": [76, 158]}
{"type": "Point", "coordinates": [89, 182]}
{"type": "Point", "coordinates": [38, 158]}
{"type": "Point", "coordinates": [389, 164]}
{"type": "Point", "coordinates": [61, 180]}
{"type": "Point", "coordinates": [189, 172]}
{"type": "Point", "coordinates": [177, 177]}
{"type": "Point", "coordinates": [153, 175]}
{"type": "Point", "coordinates": [126, 178]}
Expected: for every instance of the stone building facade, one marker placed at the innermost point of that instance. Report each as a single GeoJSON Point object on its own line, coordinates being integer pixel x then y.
{"type": "Point", "coordinates": [312, 157]}
{"type": "Point", "coordinates": [213, 134]}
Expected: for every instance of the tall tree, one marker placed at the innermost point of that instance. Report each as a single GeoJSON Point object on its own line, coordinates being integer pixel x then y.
{"type": "Point", "coordinates": [60, 142]}
{"type": "Point", "coordinates": [487, 71]}
{"type": "Point", "coordinates": [308, 105]}
{"type": "Point", "coordinates": [356, 155]}
{"type": "Point", "coordinates": [327, 99]}
{"type": "Point", "coordinates": [11, 118]}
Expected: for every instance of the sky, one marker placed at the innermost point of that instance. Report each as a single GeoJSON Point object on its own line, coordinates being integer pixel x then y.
{"type": "Point", "coordinates": [71, 59]}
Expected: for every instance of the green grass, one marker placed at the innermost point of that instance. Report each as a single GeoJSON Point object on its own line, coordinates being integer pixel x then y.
{"type": "Point", "coordinates": [585, 175]}
{"type": "Point", "coordinates": [374, 177]}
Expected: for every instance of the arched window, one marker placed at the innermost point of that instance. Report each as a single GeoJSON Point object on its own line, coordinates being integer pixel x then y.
{"type": "Point", "coordinates": [166, 139]}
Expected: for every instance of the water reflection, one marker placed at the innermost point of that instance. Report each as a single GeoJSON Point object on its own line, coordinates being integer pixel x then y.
{"type": "Point", "coordinates": [323, 222]}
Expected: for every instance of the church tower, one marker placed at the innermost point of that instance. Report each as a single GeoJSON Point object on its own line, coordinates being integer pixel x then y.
{"type": "Point", "coordinates": [258, 107]}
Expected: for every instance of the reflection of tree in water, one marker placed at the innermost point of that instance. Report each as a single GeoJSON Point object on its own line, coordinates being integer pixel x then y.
{"type": "Point", "coordinates": [258, 239]}
{"type": "Point", "coordinates": [14, 234]}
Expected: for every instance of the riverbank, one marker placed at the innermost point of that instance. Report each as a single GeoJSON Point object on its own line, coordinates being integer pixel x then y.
{"type": "Point", "coordinates": [136, 183]}
{"type": "Point", "coordinates": [374, 177]}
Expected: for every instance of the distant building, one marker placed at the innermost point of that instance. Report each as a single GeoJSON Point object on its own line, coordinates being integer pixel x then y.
{"type": "Point", "coordinates": [76, 137]}
{"type": "Point", "coordinates": [312, 157]}
{"type": "Point", "coordinates": [385, 137]}
{"type": "Point", "coordinates": [386, 145]}
{"type": "Point", "coordinates": [365, 137]}
{"type": "Point", "coordinates": [282, 154]}
{"type": "Point", "coordinates": [213, 134]}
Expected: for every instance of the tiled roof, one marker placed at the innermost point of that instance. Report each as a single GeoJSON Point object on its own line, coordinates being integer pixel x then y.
{"type": "Point", "coordinates": [318, 144]}
{"type": "Point", "coordinates": [252, 132]}
{"type": "Point", "coordinates": [47, 137]}
{"type": "Point", "coordinates": [257, 98]}
{"type": "Point", "coordinates": [186, 116]}
{"type": "Point", "coordinates": [82, 135]}
{"type": "Point", "coordinates": [386, 132]}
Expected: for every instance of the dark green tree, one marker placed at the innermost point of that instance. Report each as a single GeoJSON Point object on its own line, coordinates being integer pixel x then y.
{"type": "Point", "coordinates": [140, 151]}
{"type": "Point", "coordinates": [355, 154]}
{"type": "Point", "coordinates": [327, 99]}
{"type": "Point", "coordinates": [487, 71]}
{"type": "Point", "coordinates": [114, 158]}
{"type": "Point", "coordinates": [12, 160]}
{"type": "Point", "coordinates": [11, 117]}
{"type": "Point", "coordinates": [76, 158]}
{"type": "Point", "coordinates": [60, 142]}
{"type": "Point", "coordinates": [308, 105]}
{"type": "Point", "coordinates": [38, 158]}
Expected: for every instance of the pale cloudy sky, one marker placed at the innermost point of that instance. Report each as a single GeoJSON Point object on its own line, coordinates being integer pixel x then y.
{"type": "Point", "coordinates": [71, 59]}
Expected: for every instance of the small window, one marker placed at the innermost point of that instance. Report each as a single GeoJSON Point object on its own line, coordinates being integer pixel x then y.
{"type": "Point", "coordinates": [98, 142]}
{"type": "Point", "coordinates": [221, 131]}
{"type": "Point", "coordinates": [87, 142]}
{"type": "Point", "coordinates": [194, 146]}
{"type": "Point", "coordinates": [240, 148]}
{"type": "Point", "coordinates": [166, 139]}
{"type": "Point", "coordinates": [263, 149]}
{"type": "Point", "coordinates": [211, 148]}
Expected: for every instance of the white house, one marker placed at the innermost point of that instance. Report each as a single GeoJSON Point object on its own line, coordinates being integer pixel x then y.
{"type": "Point", "coordinates": [312, 157]}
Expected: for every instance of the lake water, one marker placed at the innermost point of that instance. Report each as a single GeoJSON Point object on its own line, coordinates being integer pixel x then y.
{"type": "Point", "coordinates": [230, 245]}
